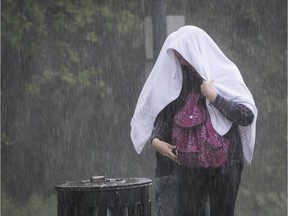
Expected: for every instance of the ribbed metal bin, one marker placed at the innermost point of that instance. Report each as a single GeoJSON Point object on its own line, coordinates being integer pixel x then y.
{"type": "Point", "coordinates": [102, 196]}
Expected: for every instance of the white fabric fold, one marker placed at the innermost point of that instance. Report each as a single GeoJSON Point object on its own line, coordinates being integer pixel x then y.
{"type": "Point", "coordinates": [165, 82]}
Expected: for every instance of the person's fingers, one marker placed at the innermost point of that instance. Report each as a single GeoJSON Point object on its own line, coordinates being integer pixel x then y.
{"type": "Point", "coordinates": [167, 150]}
{"type": "Point", "coordinates": [212, 82]}
{"type": "Point", "coordinates": [171, 146]}
{"type": "Point", "coordinates": [175, 158]}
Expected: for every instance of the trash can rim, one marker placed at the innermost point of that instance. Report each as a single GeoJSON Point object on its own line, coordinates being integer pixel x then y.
{"type": "Point", "coordinates": [115, 184]}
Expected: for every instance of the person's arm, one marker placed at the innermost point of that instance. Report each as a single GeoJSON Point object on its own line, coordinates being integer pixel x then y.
{"type": "Point", "coordinates": [162, 130]}
{"type": "Point", "coordinates": [234, 112]}
{"type": "Point", "coordinates": [162, 126]}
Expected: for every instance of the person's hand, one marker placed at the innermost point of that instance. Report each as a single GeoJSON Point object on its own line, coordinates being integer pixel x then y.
{"type": "Point", "coordinates": [165, 149]}
{"type": "Point", "coordinates": [207, 89]}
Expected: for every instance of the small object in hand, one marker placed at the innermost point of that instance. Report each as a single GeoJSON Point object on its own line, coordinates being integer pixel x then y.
{"type": "Point", "coordinates": [175, 151]}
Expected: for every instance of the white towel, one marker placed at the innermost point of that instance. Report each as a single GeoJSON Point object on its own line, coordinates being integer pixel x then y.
{"type": "Point", "coordinates": [165, 81]}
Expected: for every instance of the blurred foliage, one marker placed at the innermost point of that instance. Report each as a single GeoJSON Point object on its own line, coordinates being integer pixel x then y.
{"type": "Point", "coordinates": [5, 140]}
{"type": "Point", "coordinates": [71, 75]}
{"type": "Point", "coordinates": [64, 65]}
{"type": "Point", "coordinates": [35, 206]}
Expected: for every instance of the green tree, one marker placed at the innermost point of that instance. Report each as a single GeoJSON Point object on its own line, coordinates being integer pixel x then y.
{"type": "Point", "coordinates": [59, 101]}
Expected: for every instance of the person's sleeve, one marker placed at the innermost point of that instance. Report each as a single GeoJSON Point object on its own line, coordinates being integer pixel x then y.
{"type": "Point", "coordinates": [237, 113]}
{"type": "Point", "coordinates": [161, 126]}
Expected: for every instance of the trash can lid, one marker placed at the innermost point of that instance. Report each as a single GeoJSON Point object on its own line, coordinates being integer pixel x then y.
{"type": "Point", "coordinates": [102, 183]}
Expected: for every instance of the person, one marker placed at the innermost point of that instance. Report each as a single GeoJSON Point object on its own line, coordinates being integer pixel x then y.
{"type": "Point", "coordinates": [193, 83]}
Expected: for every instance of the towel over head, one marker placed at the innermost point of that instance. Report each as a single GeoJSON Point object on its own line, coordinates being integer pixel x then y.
{"type": "Point", "coordinates": [165, 82]}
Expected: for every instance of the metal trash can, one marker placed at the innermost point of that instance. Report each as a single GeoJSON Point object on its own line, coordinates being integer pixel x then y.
{"type": "Point", "coordinates": [102, 196]}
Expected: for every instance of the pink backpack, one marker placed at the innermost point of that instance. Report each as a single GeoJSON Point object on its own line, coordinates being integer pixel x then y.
{"type": "Point", "coordinates": [197, 142]}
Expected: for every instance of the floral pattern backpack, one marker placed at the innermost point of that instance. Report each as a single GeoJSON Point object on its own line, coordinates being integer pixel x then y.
{"type": "Point", "coordinates": [197, 142]}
